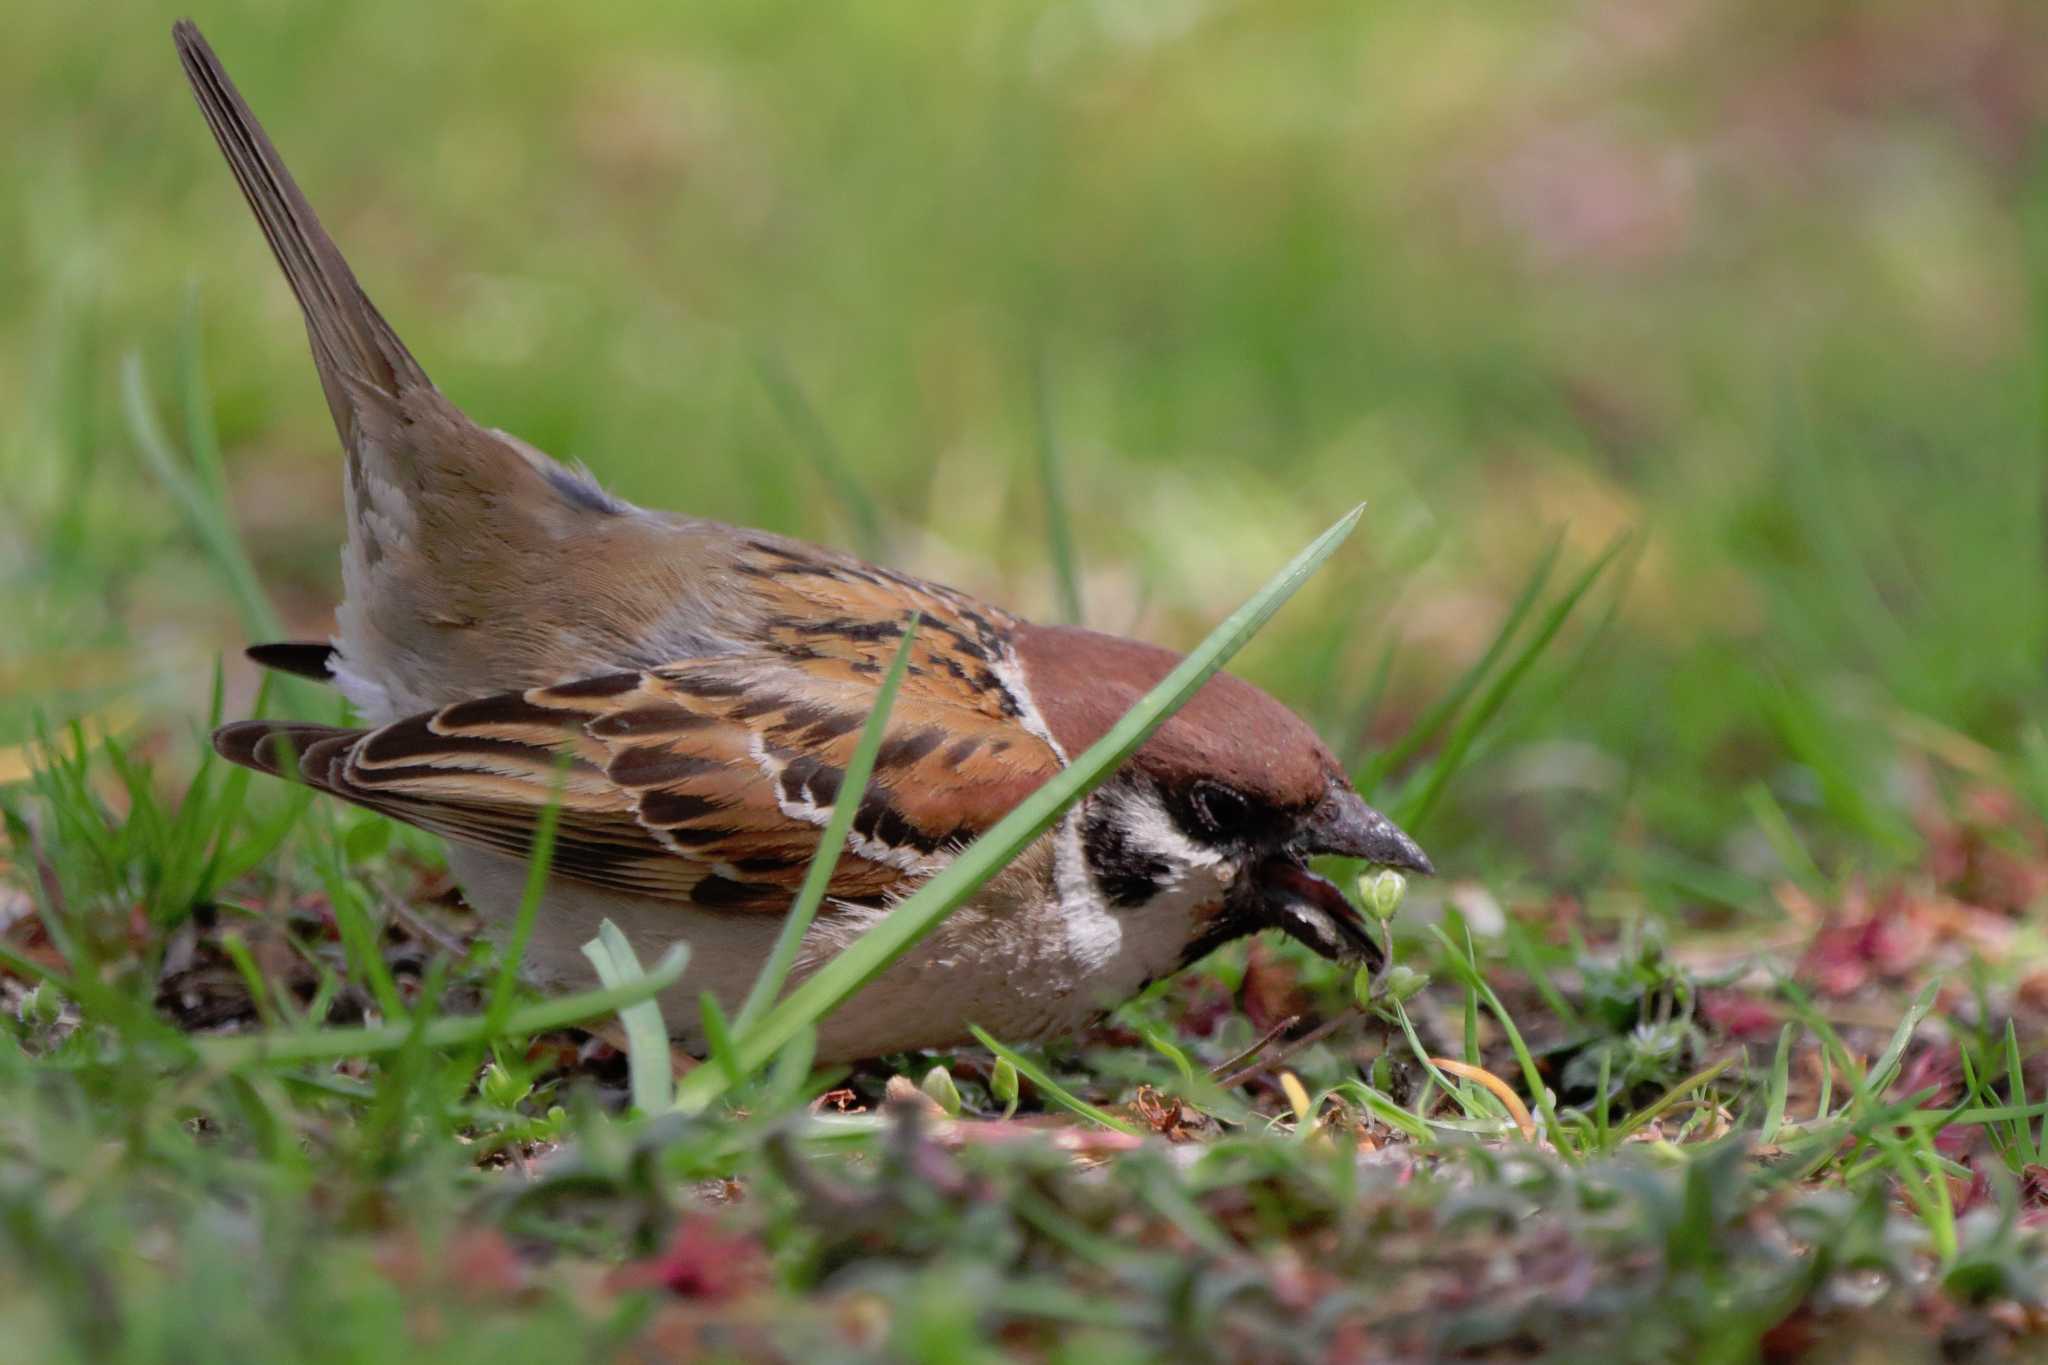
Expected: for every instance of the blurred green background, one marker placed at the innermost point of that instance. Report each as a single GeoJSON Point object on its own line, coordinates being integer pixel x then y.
{"type": "Point", "coordinates": [1765, 283]}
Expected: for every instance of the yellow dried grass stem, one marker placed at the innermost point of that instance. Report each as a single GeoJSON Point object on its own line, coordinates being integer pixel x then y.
{"type": "Point", "coordinates": [1518, 1111]}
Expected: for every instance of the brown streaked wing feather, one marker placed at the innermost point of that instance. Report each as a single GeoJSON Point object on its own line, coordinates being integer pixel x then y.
{"type": "Point", "coordinates": [596, 841]}
{"type": "Point", "coordinates": [944, 772]}
{"type": "Point", "coordinates": [843, 618]}
{"type": "Point", "coordinates": [706, 783]}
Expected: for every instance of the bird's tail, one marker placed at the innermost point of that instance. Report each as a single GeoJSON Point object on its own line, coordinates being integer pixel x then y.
{"type": "Point", "coordinates": [358, 354]}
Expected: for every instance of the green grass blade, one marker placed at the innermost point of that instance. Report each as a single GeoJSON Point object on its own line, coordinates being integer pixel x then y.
{"type": "Point", "coordinates": [1657, 1108]}
{"type": "Point", "coordinates": [798, 413]}
{"type": "Point", "coordinates": [1602, 1112]}
{"type": "Point", "coordinates": [865, 958]}
{"type": "Point", "coordinates": [647, 1057]}
{"type": "Point", "coordinates": [1880, 1075]}
{"type": "Point", "coordinates": [205, 513]}
{"type": "Point", "coordinates": [1784, 839]}
{"type": "Point", "coordinates": [2035, 1148]}
{"type": "Point", "coordinates": [1781, 1084]}
{"type": "Point", "coordinates": [1384, 1109]}
{"type": "Point", "coordinates": [1468, 729]}
{"type": "Point", "coordinates": [1466, 963]}
{"type": "Point", "coordinates": [1059, 533]}
{"type": "Point", "coordinates": [718, 1039]}
{"type": "Point", "coordinates": [2000, 1113]}
{"type": "Point", "coordinates": [1432, 721]}
{"type": "Point", "coordinates": [537, 863]}
{"type": "Point", "coordinates": [234, 1053]}
{"type": "Point", "coordinates": [853, 788]}
{"type": "Point", "coordinates": [1052, 1089]}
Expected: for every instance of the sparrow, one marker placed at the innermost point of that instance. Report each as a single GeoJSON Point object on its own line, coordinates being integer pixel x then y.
{"type": "Point", "coordinates": [694, 691]}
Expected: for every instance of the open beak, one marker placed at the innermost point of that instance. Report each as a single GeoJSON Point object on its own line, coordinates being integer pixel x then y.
{"type": "Point", "coordinates": [1309, 907]}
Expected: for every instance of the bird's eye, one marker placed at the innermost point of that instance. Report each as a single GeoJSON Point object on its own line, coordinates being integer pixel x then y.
{"type": "Point", "coordinates": [1221, 811]}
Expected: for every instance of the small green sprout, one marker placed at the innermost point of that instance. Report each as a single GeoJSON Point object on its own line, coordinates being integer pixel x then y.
{"type": "Point", "coordinates": [939, 1088]}
{"type": "Point", "coordinates": [41, 1007]}
{"type": "Point", "coordinates": [1002, 1084]}
{"type": "Point", "coordinates": [500, 1089]}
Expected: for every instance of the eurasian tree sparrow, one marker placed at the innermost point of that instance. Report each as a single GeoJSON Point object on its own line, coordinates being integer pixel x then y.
{"type": "Point", "coordinates": [708, 684]}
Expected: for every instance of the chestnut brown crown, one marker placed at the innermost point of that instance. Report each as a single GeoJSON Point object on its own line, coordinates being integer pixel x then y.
{"type": "Point", "coordinates": [1230, 732]}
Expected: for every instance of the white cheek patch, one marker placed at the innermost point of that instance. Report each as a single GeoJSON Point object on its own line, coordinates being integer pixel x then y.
{"type": "Point", "coordinates": [1149, 829]}
{"type": "Point", "coordinates": [1197, 875]}
{"type": "Point", "coordinates": [1196, 879]}
{"type": "Point", "coordinates": [1094, 933]}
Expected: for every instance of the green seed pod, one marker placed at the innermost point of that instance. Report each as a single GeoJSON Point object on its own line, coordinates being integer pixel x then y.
{"type": "Point", "coordinates": [1002, 1084]}
{"type": "Point", "coordinates": [1382, 891]}
{"type": "Point", "coordinates": [1403, 982]}
{"type": "Point", "coordinates": [939, 1088]}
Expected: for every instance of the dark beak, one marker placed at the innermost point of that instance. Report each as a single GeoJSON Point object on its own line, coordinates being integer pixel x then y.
{"type": "Point", "coordinates": [1308, 907]}
{"type": "Point", "coordinates": [1345, 826]}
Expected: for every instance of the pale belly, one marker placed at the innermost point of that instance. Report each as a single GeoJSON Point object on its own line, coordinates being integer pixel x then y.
{"type": "Point", "coordinates": [1012, 965]}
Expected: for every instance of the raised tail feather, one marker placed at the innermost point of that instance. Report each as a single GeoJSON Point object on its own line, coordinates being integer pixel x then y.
{"type": "Point", "coordinates": [352, 344]}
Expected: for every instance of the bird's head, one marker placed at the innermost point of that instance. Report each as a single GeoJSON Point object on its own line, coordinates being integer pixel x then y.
{"type": "Point", "coordinates": [1221, 808]}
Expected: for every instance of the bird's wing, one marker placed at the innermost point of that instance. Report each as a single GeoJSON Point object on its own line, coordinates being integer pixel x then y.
{"type": "Point", "coordinates": [708, 782]}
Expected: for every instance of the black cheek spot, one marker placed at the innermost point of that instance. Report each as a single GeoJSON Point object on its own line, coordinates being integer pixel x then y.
{"type": "Point", "coordinates": [1128, 875]}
